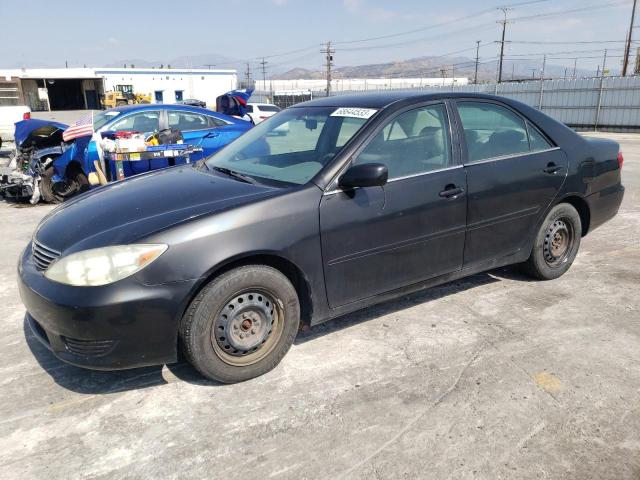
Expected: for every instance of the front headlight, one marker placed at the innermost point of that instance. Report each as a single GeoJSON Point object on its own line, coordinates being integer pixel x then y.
{"type": "Point", "coordinates": [100, 266]}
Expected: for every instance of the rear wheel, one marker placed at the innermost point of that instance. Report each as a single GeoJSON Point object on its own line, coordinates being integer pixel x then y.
{"type": "Point", "coordinates": [556, 244]}
{"type": "Point", "coordinates": [241, 324]}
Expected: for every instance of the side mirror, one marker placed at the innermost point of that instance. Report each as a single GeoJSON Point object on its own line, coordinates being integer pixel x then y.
{"type": "Point", "coordinates": [364, 175]}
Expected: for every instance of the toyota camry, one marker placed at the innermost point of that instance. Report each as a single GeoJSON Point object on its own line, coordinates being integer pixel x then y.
{"type": "Point", "coordinates": [325, 208]}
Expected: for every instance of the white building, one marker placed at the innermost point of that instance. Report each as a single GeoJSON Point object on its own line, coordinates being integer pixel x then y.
{"type": "Point", "coordinates": [81, 88]}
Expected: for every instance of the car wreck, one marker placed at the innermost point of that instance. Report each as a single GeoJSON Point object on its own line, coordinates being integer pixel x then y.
{"type": "Point", "coordinates": [54, 162]}
{"type": "Point", "coordinates": [39, 144]}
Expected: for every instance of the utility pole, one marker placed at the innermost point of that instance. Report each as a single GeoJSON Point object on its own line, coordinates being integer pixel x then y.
{"type": "Point", "coordinates": [504, 22]}
{"type": "Point", "coordinates": [247, 76]}
{"type": "Point", "coordinates": [604, 62]}
{"type": "Point", "coordinates": [544, 64]}
{"type": "Point", "coordinates": [627, 48]}
{"type": "Point", "coordinates": [328, 52]}
{"type": "Point", "coordinates": [636, 71]}
{"type": "Point", "coordinates": [533, 74]}
{"type": "Point", "coordinates": [263, 64]}
{"type": "Point", "coordinates": [443, 71]}
{"type": "Point", "coordinates": [575, 63]}
{"type": "Point", "coordinates": [475, 75]}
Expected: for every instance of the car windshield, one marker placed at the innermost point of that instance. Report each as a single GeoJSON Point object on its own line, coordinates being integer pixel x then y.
{"type": "Point", "coordinates": [293, 145]}
{"type": "Point", "coordinates": [102, 118]}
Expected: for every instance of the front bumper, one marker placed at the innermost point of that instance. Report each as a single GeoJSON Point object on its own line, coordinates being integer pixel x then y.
{"type": "Point", "coordinates": [122, 325]}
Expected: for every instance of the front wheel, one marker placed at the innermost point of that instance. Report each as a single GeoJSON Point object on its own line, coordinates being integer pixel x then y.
{"type": "Point", "coordinates": [241, 324]}
{"type": "Point", "coordinates": [57, 192]}
{"type": "Point", "coordinates": [556, 244]}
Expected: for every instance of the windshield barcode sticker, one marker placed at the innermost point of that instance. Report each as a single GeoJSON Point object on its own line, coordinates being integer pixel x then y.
{"type": "Point", "coordinates": [354, 112]}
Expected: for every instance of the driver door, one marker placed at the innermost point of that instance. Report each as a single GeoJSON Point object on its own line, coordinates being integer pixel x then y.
{"type": "Point", "coordinates": [378, 239]}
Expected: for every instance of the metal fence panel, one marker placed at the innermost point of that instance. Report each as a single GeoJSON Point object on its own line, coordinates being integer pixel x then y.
{"type": "Point", "coordinates": [603, 103]}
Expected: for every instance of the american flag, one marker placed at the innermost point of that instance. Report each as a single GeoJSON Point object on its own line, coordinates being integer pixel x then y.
{"type": "Point", "coordinates": [81, 128]}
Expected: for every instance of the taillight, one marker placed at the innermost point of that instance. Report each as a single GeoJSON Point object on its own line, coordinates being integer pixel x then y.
{"type": "Point", "coordinates": [620, 160]}
{"type": "Point", "coordinates": [26, 116]}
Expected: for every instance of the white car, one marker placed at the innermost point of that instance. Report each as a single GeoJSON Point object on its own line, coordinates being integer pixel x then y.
{"type": "Point", "coordinates": [261, 111]}
{"type": "Point", "coordinates": [9, 115]}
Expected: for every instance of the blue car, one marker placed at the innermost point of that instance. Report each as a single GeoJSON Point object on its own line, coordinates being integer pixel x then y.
{"type": "Point", "coordinates": [62, 169]}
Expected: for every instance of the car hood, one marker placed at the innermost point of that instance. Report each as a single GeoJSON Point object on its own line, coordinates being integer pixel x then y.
{"type": "Point", "coordinates": [37, 132]}
{"type": "Point", "coordinates": [124, 212]}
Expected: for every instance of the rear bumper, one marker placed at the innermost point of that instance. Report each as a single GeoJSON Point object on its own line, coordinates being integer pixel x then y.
{"type": "Point", "coordinates": [122, 325]}
{"type": "Point", "coordinates": [604, 205]}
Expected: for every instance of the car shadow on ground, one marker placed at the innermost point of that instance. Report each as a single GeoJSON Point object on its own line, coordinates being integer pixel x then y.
{"type": "Point", "coordinates": [392, 306]}
{"type": "Point", "coordinates": [93, 382]}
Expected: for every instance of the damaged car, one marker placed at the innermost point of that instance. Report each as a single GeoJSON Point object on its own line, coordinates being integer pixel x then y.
{"type": "Point", "coordinates": [52, 165]}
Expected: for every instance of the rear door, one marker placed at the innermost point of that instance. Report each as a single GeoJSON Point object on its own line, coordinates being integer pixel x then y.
{"type": "Point", "coordinates": [378, 239]}
{"type": "Point", "coordinates": [513, 173]}
{"type": "Point", "coordinates": [197, 129]}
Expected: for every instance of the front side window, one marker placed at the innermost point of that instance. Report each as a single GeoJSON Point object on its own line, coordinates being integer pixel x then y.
{"type": "Point", "coordinates": [186, 121]}
{"type": "Point", "coordinates": [412, 143]}
{"type": "Point", "coordinates": [145, 122]}
{"type": "Point", "coordinates": [290, 147]}
{"type": "Point", "coordinates": [492, 131]}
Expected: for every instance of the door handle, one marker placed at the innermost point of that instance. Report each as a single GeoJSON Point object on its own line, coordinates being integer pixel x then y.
{"type": "Point", "coordinates": [552, 168]}
{"type": "Point", "coordinates": [211, 135]}
{"type": "Point", "coordinates": [451, 191]}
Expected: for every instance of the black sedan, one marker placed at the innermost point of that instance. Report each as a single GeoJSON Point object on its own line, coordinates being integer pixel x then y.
{"type": "Point", "coordinates": [364, 198]}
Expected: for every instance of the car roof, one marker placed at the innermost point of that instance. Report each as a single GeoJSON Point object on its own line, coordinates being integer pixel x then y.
{"type": "Point", "coordinates": [384, 99]}
{"type": "Point", "coordinates": [173, 106]}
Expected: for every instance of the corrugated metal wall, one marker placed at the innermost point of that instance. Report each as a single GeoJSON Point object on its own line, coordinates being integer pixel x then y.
{"type": "Point", "coordinates": [609, 103]}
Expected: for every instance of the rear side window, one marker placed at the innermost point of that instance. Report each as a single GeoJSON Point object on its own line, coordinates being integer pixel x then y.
{"type": "Point", "coordinates": [492, 131]}
{"type": "Point", "coordinates": [249, 108]}
{"type": "Point", "coordinates": [537, 141]}
{"type": "Point", "coordinates": [186, 121]}
{"type": "Point", "coordinates": [215, 122]}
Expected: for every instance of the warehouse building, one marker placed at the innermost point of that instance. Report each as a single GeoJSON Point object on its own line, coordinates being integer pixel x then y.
{"type": "Point", "coordinates": [82, 88]}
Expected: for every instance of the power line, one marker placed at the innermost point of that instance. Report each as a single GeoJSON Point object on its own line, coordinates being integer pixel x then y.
{"type": "Point", "coordinates": [442, 24]}
{"type": "Point", "coordinates": [589, 8]}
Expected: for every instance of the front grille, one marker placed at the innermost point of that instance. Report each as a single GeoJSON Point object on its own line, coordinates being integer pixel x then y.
{"type": "Point", "coordinates": [88, 348]}
{"type": "Point", "coordinates": [42, 255]}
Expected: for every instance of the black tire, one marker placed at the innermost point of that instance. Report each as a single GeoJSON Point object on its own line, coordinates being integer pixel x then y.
{"type": "Point", "coordinates": [235, 304]}
{"type": "Point", "coordinates": [77, 182]}
{"type": "Point", "coordinates": [556, 244]}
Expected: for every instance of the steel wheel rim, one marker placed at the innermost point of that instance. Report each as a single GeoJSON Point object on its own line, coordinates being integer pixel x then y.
{"type": "Point", "coordinates": [248, 327]}
{"type": "Point", "coordinates": [558, 241]}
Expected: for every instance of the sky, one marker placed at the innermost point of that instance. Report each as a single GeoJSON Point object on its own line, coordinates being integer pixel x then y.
{"type": "Point", "coordinates": [290, 33]}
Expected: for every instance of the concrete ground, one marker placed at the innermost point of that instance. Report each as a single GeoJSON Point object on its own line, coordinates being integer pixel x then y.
{"type": "Point", "coordinates": [491, 377]}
